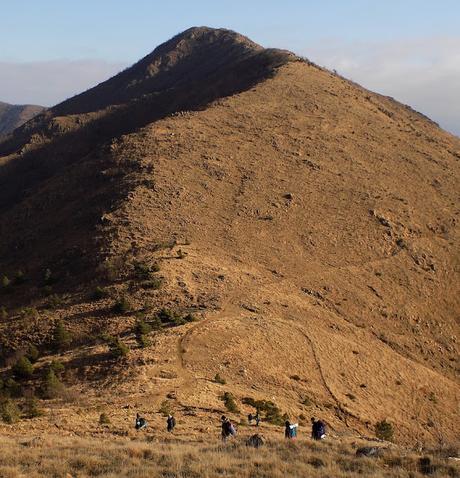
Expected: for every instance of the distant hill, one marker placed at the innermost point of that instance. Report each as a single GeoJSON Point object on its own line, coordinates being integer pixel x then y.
{"type": "Point", "coordinates": [12, 116]}
{"type": "Point", "coordinates": [288, 236]}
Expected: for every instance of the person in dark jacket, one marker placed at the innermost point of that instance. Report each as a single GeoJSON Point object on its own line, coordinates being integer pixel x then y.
{"type": "Point", "coordinates": [170, 423]}
{"type": "Point", "coordinates": [318, 429]}
{"type": "Point", "coordinates": [140, 423]}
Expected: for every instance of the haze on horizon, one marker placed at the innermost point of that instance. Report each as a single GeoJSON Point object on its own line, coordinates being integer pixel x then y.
{"type": "Point", "coordinates": [409, 50]}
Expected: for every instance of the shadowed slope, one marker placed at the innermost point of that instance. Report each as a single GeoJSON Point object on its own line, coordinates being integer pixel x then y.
{"type": "Point", "coordinates": [13, 116]}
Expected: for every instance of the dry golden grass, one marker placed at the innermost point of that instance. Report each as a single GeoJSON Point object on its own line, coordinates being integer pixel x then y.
{"type": "Point", "coordinates": [64, 457]}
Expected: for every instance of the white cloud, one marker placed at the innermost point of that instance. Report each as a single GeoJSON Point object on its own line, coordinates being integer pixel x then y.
{"type": "Point", "coordinates": [423, 73]}
{"type": "Point", "coordinates": [49, 82]}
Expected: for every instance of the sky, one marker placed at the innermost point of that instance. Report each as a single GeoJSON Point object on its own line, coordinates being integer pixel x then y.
{"type": "Point", "coordinates": [408, 49]}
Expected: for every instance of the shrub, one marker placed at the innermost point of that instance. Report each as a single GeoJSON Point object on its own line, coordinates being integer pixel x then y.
{"type": "Point", "coordinates": [143, 341]}
{"type": "Point", "coordinates": [190, 318]}
{"type": "Point", "coordinates": [61, 336]}
{"type": "Point", "coordinates": [154, 283]}
{"type": "Point", "coordinates": [19, 278]}
{"type": "Point", "coordinates": [31, 408]}
{"type": "Point", "coordinates": [51, 386]}
{"type": "Point", "coordinates": [5, 282]}
{"type": "Point", "coordinates": [229, 402]}
{"type": "Point", "coordinates": [33, 353]}
{"type": "Point", "coordinates": [181, 254]}
{"type": "Point", "coordinates": [116, 347]}
{"type": "Point", "coordinates": [142, 271]}
{"type": "Point", "coordinates": [156, 323]}
{"type": "Point", "coordinates": [57, 367]}
{"type": "Point", "coordinates": [54, 301]}
{"type": "Point", "coordinates": [384, 430]}
{"type": "Point", "coordinates": [166, 316]}
{"type": "Point", "coordinates": [3, 313]}
{"type": "Point", "coordinates": [99, 293]}
{"type": "Point", "coordinates": [272, 413]}
{"type": "Point", "coordinates": [104, 419]}
{"type": "Point", "coordinates": [219, 379]}
{"type": "Point", "coordinates": [178, 320]}
{"type": "Point", "coordinates": [165, 408]}
{"type": "Point", "coordinates": [12, 388]}
{"type": "Point", "coordinates": [9, 411]}
{"type": "Point", "coordinates": [122, 305]}
{"type": "Point", "coordinates": [23, 369]}
{"type": "Point", "coordinates": [29, 313]}
{"type": "Point", "coordinates": [142, 328]}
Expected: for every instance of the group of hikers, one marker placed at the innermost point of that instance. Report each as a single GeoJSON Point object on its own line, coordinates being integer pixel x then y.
{"type": "Point", "coordinates": [318, 427]}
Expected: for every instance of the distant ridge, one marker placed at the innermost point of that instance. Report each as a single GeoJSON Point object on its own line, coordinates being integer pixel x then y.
{"type": "Point", "coordinates": [13, 116]}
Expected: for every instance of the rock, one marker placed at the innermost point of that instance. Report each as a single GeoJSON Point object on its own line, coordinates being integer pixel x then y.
{"type": "Point", "coordinates": [255, 441]}
{"type": "Point", "coordinates": [373, 451]}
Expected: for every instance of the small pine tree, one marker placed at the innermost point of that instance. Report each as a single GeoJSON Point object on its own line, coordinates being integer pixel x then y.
{"type": "Point", "coordinates": [57, 367]}
{"type": "Point", "coordinates": [9, 411]}
{"type": "Point", "coordinates": [5, 282]}
{"type": "Point", "coordinates": [384, 430]}
{"type": "Point", "coordinates": [23, 369]}
{"type": "Point", "coordinates": [117, 348]}
{"type": "Point", "coordinates": [32, 408]}
{"type": "Point", "coordinates": [143, 341]}
{"type": "Point", "coordinates": [122, 305]}
{"type": "Point", "coordinates": [33, 353]}
{"type": "Point", "coordinates": [61, 337]}
{"type": "Point", "coordinates": [51, 386]}
{"type": "Point", "coordinates": [142, 328]}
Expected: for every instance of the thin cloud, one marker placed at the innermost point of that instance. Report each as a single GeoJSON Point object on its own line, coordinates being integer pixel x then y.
{"type": "Point", "coordinates": [50, 82]}
{"type": "Point", "coordinates": [423, 72]}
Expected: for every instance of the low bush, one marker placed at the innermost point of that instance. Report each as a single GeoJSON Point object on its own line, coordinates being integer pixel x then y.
{"type": "Point", "coordinates": [31, 408]}
{"type": "Point", "coordinates": [384, 430]}
{"type": "Point", "coordinates": [142, 328]}
{"type": "Point", "coordinates": [99, 293]}
{"type": "Point", "coordinates": [61, 337]}
{"type": "Point", "coordinates": [122, 306]}
{"type": "Point", "coordinates": [229, 402]}
{"type": "Point", "coordinates": [33, 354]}
{"type": "Point", "coordinates": [165, 408]}
{"type": "Point", "coordinates": [104, 419]}
{"type": "Point", "coordinates": [143, 341]}
{"type": "Point", "coordinates": [22, 369]}
{"type": "Point", "coordinates": [3, 313]}
{"type": "Point", "coordinates": [116, 347]}
{"type": "Point", "coordinates": [54, 301]}
{"type": "Point", "coordinates": [51, 385]}
{"type": "Point", "coordinates": [272, 413]}
{"type": "Point", "coordinates": [9, 411]}
{"type": "Point", "coordinates": [5, 282]}
{"type": "Point", "coordinates": [154, 283]}
{"type": "Point", "coordinates": [57, 367]}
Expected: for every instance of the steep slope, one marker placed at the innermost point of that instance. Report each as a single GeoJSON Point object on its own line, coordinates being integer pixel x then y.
{"type": "Point", "coordinates": [310, 224]}
{"type": "Point", "coordinates": [13, 116]}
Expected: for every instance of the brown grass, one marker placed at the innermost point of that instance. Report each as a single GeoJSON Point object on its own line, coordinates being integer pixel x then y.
{"type": "Point", "coordinates": [52, 457]}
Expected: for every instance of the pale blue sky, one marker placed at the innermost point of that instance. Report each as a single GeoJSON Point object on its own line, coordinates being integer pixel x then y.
{"type": "Point", "coordinates": [409, 49]}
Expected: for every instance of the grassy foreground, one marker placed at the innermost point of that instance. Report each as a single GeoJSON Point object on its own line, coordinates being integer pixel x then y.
{"type": "Point", "coordinates": [55, 456]}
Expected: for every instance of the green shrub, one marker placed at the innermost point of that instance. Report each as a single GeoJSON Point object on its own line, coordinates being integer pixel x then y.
{"type": "Point", "coordinates": [19, 278]}
{"type": "Point", "coordinates": [9, 411]}
{"type": "Point", "coordinates": [165, 408]}
{"type": "Point", "coordinates": [33, 354]}
{"type": "Point", "coordinates": [3, 313]}
{"type": "Point", "coordinates": [5, 282]}
{"type": "Point", "coordinates": [99, 293]}
{"type": "Point", "coordinates": [143, 341]}
{"type": "Point", "coordinates": [142, 271]}
{"type": "Point", "coordinates": [219, 379]}
{"type": "Point", "coordinates": [154, 283]}
{"type": "Point", "coordinates": [178, 320]}
{"type": "Point", "coordinates": [29, 313]}
{"type": "Point", "coordinates": [229, 402]}
{"type": "Point", "coordinates": [57, 367]}
{"type": "Point", "coordinates": [51, 386]}
{"type": "Point", "coordinates": [116, 347]}
{"type": "Point", "coordinates": [384, 430]}
{"type": "Point", "coordinates": [12, 388]}
{"type": "Point", "coordinates": [104, 419]}
{"type": "Point", "coordinates": [23, 369]}
{"type": "Point", "coordinates": [122, 306]}
{"type": "Point", "coordinates": [32, 408]}
{"type": "Point", "coordinates": [142, 328]}
{"type": "Point", "coordinates": [155, 323]}
{"type": "Point", "coordinates": [54, 301]}
{"type": "Point", "coordinates": [190, 318]}
{"type": "Point", "coordinates": [166, 316]}
{"type": "Point", "coordinates": [271, 411]}
{"type": "Point", "coordinates": [61, 337]}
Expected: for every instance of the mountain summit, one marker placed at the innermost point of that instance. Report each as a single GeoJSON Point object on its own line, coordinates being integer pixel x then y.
{"type": "Point", "coordinates": [281, 229]}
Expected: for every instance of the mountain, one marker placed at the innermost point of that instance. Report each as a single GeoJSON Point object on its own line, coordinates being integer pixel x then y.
{"type": "Point", "coordinates": [12, 116]}
{"type": "Point", "coordinates": [289, 235]}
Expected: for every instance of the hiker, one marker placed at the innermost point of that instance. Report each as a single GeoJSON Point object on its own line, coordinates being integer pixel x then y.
{"type": "Point", "coordinates": [318, 429]}
{"type": "Point", "coordinates": [290, 430]}
{"type": "Point", "coordinates": [171, 423]}
{"type": "Point", "coordinates": [257, 418]}
{"type": "Point", "coordinates": [227, 428]}
{"type": "Point", "coordinates": [141, 423]}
